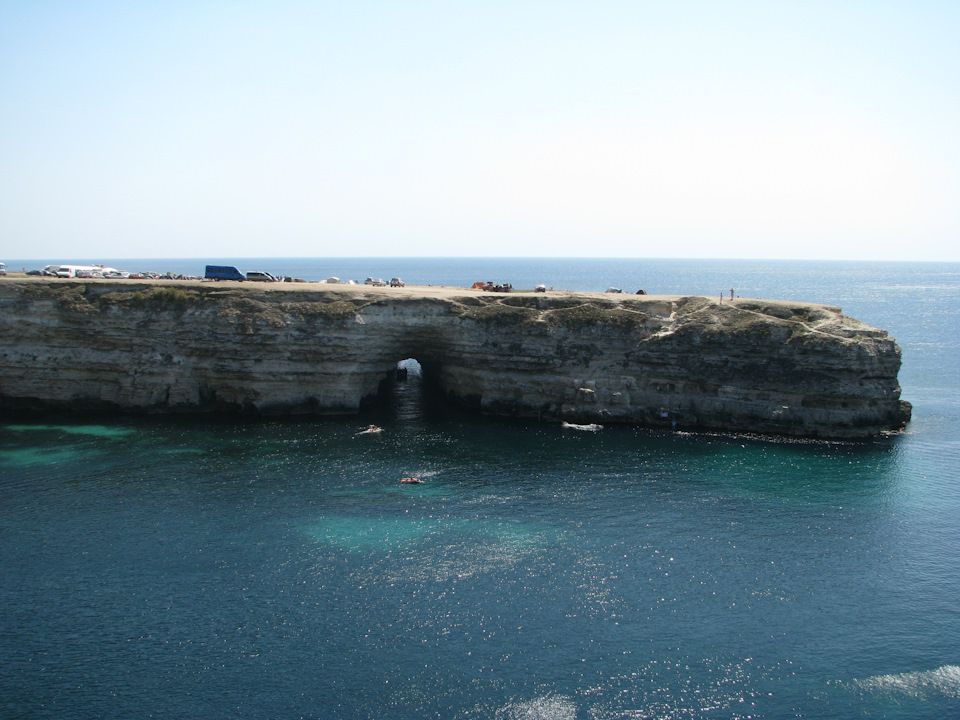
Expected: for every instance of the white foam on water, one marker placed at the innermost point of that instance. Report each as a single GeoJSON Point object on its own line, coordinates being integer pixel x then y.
{"type": "Point", "coordinates": [942, 682]}
{"type": "Point", "coordinates": [548, 707]}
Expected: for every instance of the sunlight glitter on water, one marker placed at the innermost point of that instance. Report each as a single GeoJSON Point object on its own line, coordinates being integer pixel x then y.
{"type": "Point", "coordinates": [365, 534]}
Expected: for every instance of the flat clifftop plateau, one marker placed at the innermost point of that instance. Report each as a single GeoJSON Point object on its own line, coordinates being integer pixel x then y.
{"type": "Point", "coordinates": [685, 362]}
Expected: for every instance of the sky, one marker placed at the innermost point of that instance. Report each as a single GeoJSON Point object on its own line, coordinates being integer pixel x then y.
{"type": "Point", "coordinates": [635, 128]}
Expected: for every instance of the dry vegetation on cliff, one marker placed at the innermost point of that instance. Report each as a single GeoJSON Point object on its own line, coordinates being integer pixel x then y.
{"type": "Point", "coordinates": [569, 312]}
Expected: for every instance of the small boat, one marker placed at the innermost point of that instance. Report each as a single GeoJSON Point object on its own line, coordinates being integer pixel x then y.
{"type": "Point", "coordinates": [371, 429]}
{"type": "Point", "coordinates": [592, 427]}
{"type": "Point", "coordinates": [410, 481]}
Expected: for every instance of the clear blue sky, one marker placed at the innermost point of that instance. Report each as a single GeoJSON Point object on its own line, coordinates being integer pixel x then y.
{"type": "Point", "coordinates": [807, 129]}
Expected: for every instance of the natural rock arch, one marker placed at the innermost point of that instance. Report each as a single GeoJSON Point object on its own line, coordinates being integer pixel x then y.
{"type": "Point", "coordinates": [743, 365]}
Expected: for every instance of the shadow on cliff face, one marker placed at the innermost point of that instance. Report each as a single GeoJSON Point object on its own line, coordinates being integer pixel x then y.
{"type": "Point", "coordinates": [409, 394]}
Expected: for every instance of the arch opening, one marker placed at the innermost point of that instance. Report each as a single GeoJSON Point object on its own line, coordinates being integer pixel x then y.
{"type": "Point", "coordinates": [409, 393]}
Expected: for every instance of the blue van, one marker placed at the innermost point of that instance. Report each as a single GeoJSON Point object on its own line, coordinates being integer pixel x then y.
{"type": "Point", "coordinates": [223, 272]}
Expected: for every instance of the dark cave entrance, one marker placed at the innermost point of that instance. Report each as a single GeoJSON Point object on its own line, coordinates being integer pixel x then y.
{"type": "Point", "coordinates": [410, 393]}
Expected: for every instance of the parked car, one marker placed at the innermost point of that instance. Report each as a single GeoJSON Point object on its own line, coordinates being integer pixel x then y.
{"type": "Point", "coordinates": [71, 271]}
{"type": "Point", "coordinates": [396, 282]}
{"type": "Point", "coordinates": [376, 282]}
{"type": "Point", "coordinates": [260, 276]}
{"type": "Point", "coordinates": [3, 269]}
{"type": "Point", "coordinates": [614, 290]}
{"type": "Point", "coordinates": [540, 288]}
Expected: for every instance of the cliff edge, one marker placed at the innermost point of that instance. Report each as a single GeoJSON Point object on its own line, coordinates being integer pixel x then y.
{"type": "Point", "coordinates": [687, 362]}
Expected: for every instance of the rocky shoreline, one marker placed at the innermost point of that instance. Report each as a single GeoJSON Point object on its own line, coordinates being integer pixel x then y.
{"type": "Point", "coordinates": [684, 362]}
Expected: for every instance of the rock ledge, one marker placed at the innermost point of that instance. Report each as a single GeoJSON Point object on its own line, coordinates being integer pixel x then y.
{"type": "Point", "coordinates": [742, 365]}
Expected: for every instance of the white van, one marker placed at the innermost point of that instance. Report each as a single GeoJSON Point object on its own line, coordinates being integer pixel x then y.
{"type": "Point", "coordinates": [69, 271]}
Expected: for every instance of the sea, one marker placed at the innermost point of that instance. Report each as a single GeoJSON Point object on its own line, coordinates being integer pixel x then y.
{"type": "Point", "coordinates": [211, 568]}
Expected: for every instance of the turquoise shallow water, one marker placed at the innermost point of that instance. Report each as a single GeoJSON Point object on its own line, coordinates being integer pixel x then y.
{"type": "Point", "coordinates": [210, 569]}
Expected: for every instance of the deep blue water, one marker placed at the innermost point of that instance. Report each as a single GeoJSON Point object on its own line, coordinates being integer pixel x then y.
{"type": "Point", "coordinates": [213, 569]}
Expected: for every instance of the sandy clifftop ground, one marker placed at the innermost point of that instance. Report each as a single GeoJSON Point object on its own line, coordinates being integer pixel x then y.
{"type": "Point", "coordinates": [359, 290]}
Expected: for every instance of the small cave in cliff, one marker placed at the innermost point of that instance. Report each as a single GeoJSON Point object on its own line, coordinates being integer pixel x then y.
{"type": "Point", "coordinates": [409, 392]}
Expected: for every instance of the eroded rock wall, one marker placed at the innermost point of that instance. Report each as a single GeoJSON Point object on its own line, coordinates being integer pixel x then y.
{"type": "Point", "coordinates": [689, 362]}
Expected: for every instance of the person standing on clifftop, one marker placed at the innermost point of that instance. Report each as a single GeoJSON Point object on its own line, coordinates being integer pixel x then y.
{"type": "Point", "coordinates": [731, 293]}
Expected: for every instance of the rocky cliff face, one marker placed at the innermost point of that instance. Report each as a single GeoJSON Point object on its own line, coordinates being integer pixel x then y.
{"type": "Point", "coordinates": [743, 365]}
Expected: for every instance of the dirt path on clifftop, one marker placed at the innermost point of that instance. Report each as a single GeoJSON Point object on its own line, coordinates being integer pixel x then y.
{"type": "Point", "coordinates": [434, 291]}
{"type": "Point", "coordinates": [438, 291]}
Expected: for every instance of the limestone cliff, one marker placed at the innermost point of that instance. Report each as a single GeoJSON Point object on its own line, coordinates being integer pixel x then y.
{"type": "Point", "coordinates": [743, 365]}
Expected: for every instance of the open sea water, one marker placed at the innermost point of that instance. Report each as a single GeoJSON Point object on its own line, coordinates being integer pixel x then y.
{"type": "Point", "coordinates": [208, 569]}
